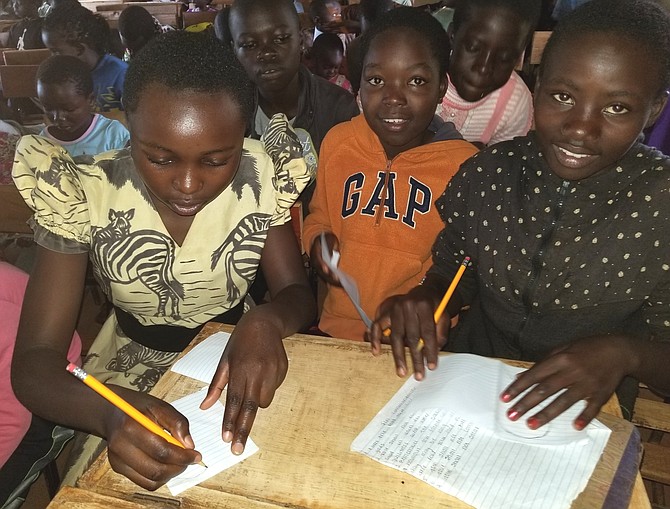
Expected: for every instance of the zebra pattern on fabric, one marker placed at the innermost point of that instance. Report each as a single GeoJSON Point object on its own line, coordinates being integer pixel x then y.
{"type": "Point", "coordinates": [284, 146]}
{"type": "Point", "coordinates": [241, 250]}
{"type": "Point", "coordinates": [121, 256]}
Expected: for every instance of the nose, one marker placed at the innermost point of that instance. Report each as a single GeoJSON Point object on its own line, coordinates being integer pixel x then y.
{"type": "Point", "coordinates": [267, 52]}
{"type": "Point", "coordinates": [484, 62]}
{"type": "Point", "coordinates": [581, 124]}
{"type": "Point", "coordinates": [56, 115]}
{"type": "Point", "coordinates": [187, 182]}
{"type": "Point", "coordinates": [394, 94]}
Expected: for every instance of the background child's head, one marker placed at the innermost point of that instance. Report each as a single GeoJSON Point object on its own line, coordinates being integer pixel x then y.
{"type": "Point", "coordinates": [188, 102]}
{"type": "Point", "coordinates": [327, 55]}
{"type": "Point", "coordinates": [76, 31]}
{"type": "Point", "coordinates": [136, 28]}
{"type": "Point", "coordinates": [405, 58]}
{"type": "Point", "coordinates": [488, 38]}
{"type": "Point", "coordinates": [26, 8]}
{"type": "Point", "coordinates": [267, 41]}
{"type": "Point", "coordinates": [65, 90]}
{"type": "Point", "coordinates": [326, 14]}
{"type": "Point", "coordinates": [371, 10]}
{"type": "Point", "coordinates": [603, 78]}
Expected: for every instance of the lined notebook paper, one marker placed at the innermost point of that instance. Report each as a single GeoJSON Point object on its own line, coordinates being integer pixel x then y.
{"type": "Point", "coordinates": [201, 362]}
{"type": "Point", "coordinates": [447, 430]}
{"type": "Point", "coordinates": [205, 427]}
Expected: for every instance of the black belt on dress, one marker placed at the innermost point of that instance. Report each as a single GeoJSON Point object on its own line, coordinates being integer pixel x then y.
{"type": "Point", "coordinates": [169, 338]}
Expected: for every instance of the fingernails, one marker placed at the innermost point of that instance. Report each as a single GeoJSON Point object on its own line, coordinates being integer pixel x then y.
{"type": "Point", "coordinates": [227, 436]}
{"type": "Point", "coordinates": [237, 448]}
{"type": "Point", "coordinates": [506, 397]}
{"type": "Point", "coordinates": [432, 365]}
{"type": "Point", "coordinates": [512, 414]}
{"type": "Point", "coordinates": [401, 371]}
{"type": "Point", "coordinates": [579, 424]}
{"type": "Point", "coordinates": [418, 376]}
{"type": "Point", "coordinates": [533, 422]}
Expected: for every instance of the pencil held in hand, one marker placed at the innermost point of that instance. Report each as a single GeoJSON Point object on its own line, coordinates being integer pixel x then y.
{"type": "Point", "coordinates": [445, 300]}
{"type": "Point", "coordinates": [123, 405]}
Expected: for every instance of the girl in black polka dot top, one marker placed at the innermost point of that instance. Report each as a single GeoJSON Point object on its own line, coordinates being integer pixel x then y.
{"type": "Point", "coordinates": [568, 229]}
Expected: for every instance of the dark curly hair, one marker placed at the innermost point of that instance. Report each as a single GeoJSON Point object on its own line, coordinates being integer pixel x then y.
{"type": "Point", "coordinates": [189, 62]}
{"type": "Point", "coordinates": [642, 22]}
{"type": "Point", "coordinates": [78, 25]}
{"type": "Point", "coordinates": [527, 10]}
{"type": "Point", "coordinates": [59, 69]}
{"type": "Point", "coordinates": [417, 20]}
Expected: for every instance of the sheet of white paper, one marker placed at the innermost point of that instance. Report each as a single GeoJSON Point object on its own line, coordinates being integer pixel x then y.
{"type": "Point", "coordinates": [201, 362]}
{"type": "Point", "coordinates": [347, 282]}
{"type": "Point", "coordinates": [205, 426]}
{"type": "Point", "coordinates": [444, 431]}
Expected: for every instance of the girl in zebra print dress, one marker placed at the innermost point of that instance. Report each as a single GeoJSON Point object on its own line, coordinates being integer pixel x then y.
{"type": "Point", "coordinates": [175, 228]}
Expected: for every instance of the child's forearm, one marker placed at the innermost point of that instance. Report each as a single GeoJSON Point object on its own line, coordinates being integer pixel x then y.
{"type": "Point", "coordinates": [291, 310]}
{"type": "Point", "coordinates": [650, 359]}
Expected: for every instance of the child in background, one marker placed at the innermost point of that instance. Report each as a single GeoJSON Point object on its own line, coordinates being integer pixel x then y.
{"type": "Point", "coordinates": [379, 173]}
{"type": "Point", "coordinates": [567, 228]}
{"type": "Point", "coordinates": [76, 31]}
{"type": "Point", "coordinates": [326, 15]}
{"type": "Point", "coordinates": [26, 33]}
{"type": "Point", "coordinates": [486, 100]}
{"type": "Point", "coordinates": [326, 59]}
{"type": "Point", "coordinates": [175, 227]}
{"type": "Point", "coordinates": [65, 90]}
{"type": "Point", "coordinates": [136, 28]}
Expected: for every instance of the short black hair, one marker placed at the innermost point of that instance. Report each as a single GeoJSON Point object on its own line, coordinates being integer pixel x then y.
{"type": "Point", "coordinates": [60, 69]}
{"type": "Point", "coordinates": [244, 7]}
{"type": "Point", "coordinates": [189, 62]}
{"type": "Point", "coordinates": [527, 10]}
{"type": "Point", "coordinates": [642, 22]}
{"type": "Point", "coordinates": [327, 42]}
{"type": "Point", "coordinates": [221, 28]}
{"type": "Point", "coordinates": [78, 25]}
{"type": "Point", "coordinates": [421, 23]}
{"type": "Point", "coordinates": [371, 10]}
{"type": "Point", "coordinates": [136, 22]}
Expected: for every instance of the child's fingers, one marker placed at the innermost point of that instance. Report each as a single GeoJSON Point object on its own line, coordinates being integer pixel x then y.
{"type": "Point", "coordinates": [246, 417]}
{"type": "Point", "coordinates": [217, 384]}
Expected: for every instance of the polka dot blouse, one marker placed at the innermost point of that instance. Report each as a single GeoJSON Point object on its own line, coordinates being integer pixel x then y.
{"type": "Point", "coordinates": [557, 260]}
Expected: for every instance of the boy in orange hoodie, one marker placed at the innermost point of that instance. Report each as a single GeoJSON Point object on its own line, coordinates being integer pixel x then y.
{"type": "Point", "coordinates": [380, 173]}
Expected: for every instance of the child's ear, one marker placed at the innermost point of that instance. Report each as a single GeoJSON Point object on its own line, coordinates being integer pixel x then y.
{"type": "Point", "coordinates": [91, 99]}
{"type": "Point", "coordinates": [657, 108]}
{"type": "Point", "coordinates": [80, 48]}
{"type": "Point", "coordinates": [442, 89]}
{"type": "Point", "coordinates": [450, 34]}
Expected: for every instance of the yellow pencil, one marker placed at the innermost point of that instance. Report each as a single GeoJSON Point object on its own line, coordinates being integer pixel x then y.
{"type": "Point", "coordinates": [445, 300]}
{"type": "Point", "coordinates": [123, 405]}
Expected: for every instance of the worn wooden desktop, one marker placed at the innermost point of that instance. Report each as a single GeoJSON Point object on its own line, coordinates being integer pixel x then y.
{"type": "Point", "coordinates": [332, 390]}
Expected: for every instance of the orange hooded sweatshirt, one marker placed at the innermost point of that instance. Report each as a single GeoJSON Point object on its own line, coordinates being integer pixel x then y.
{"type": "Point", "coordinates": [386, 250]}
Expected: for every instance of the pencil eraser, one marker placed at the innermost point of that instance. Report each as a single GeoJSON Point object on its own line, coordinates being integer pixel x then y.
{"type": "Point", "coordinates": [71, 367]}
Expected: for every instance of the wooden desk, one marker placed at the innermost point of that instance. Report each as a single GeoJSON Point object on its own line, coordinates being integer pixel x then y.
{"type": "Point", "coordinates": [332, 390]}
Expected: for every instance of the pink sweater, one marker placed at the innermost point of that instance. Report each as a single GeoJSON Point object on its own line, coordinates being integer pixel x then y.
{"type": "Point", "coordinates": [14, 417]}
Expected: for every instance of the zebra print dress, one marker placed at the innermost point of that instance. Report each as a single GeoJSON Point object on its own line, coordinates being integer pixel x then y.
{"type": "Point", "coordinates": [102, 207]}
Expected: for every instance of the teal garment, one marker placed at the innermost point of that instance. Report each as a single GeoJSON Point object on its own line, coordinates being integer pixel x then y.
{"type": "Point", "coordinates": [102, 135]}
{"type": "Point", "coordinates": [444, 16]}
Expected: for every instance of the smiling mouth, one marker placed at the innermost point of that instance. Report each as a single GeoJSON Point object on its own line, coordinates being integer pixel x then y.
{"type": "Point", "coordinates": [572, 159]}
{"type": "Point", "coordinates": [186, 209]}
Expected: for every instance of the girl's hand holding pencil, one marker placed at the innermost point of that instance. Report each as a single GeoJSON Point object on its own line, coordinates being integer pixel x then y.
{"type": "Point", "coordinates": [418, 320]}
{"type": "Point", "coordinates": [138, 444]}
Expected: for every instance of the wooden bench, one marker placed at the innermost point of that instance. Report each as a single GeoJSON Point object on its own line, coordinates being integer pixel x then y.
{"type": "Point", "coordinates": [654, 417]}
{"type": "Point", "coordinates": [26, 57]}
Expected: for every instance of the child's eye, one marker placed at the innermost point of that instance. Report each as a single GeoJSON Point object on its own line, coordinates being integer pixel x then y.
{"type": "Point", "coordinates": [215, 162]}
{"type": "Point", "coordinates": [375, 81]}
{"type": "Point", "coordinates": [281, 39]}
{"type": "Point", "coordinates": [157, 161]}
{"type": "Point", "coordinates": [417, 81]}
{"type": "Point", "coordinates": [616, 109]}
{"type": "Point", "coordinates": [247, 44]}
{"type": "Point", "coordinates": [563, 98]}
